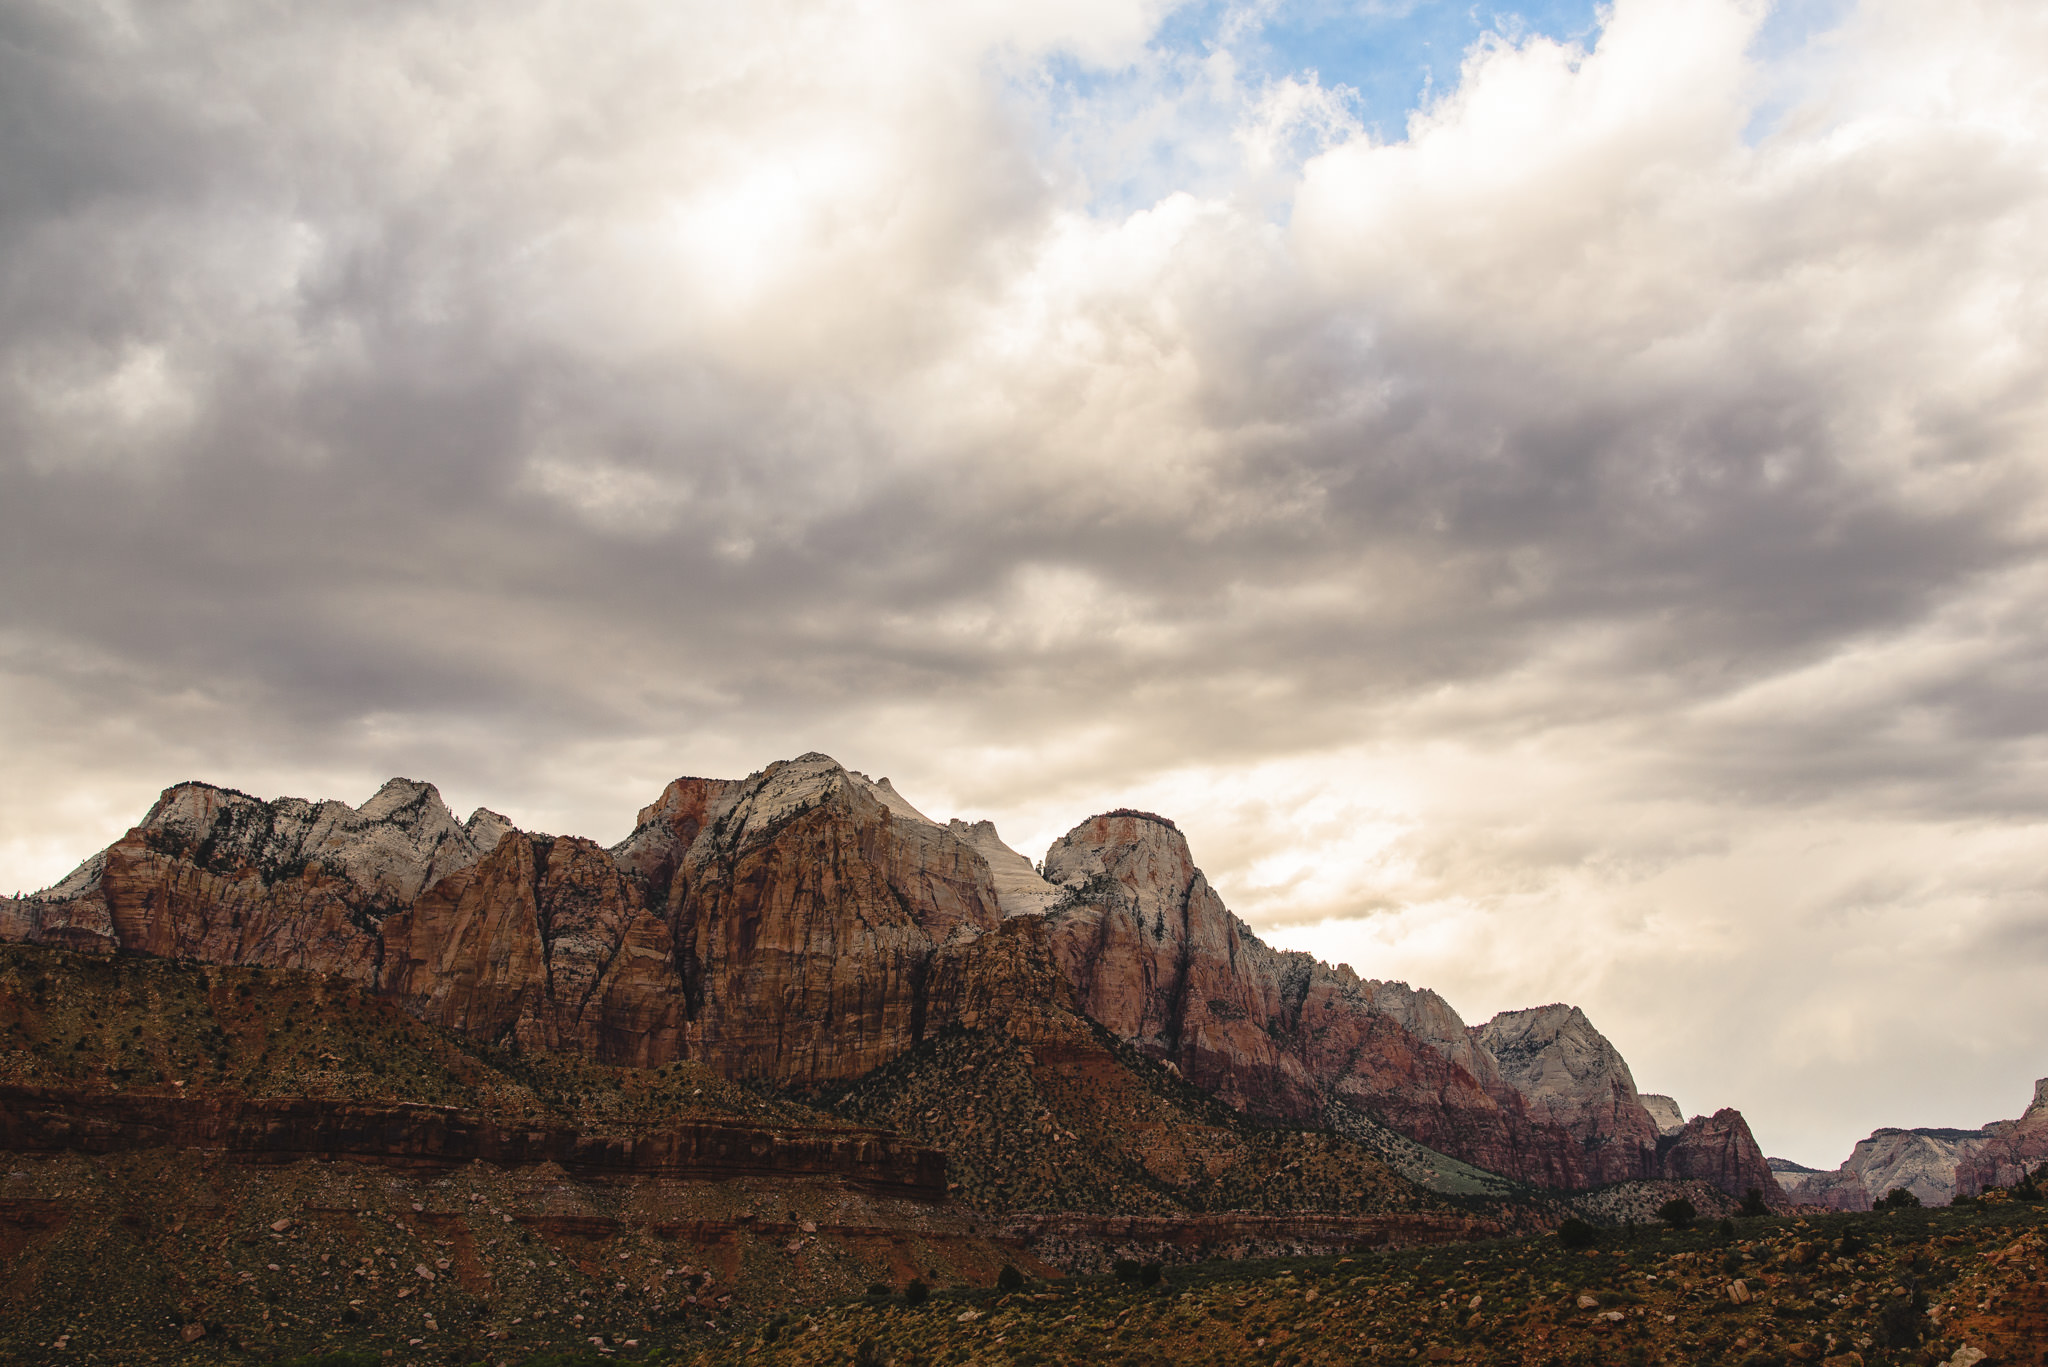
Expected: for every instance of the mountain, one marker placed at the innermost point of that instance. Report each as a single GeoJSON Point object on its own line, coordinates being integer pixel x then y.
{"type": "Point", "coordinates": [1923, 1161]}
{"type": "Point", "coordinates": [1571, 1076]}
{"type": "Point", "coordinates": [807, 926]}
{"type": "Point", "coordinates": [2012, 1149]}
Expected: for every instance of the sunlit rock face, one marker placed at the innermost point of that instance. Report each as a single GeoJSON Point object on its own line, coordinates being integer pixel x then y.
{"type": "Point", "coordinates": [1153, 954]}
{"type": "Point", "coordinates": [1572, 1077]}
{"type": "Point", "coordinates": [1020, 887]}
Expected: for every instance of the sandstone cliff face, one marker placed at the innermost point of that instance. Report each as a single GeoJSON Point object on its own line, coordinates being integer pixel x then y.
{"type": "Point", "coordinates": [1835, 1189]}
{"type": "Point", "coordinates": [1719, 1149]}
{"type": "Point", "coordinates": [665, 830]}
{"type": "Point", "coordinates": [807, 925]}
{"type": "Point", "coordinates": [217, 875]}
{"type": "Point", "coordinates": [1153, 954]}
{"type": "Point", "coordinates": [807, 915]}
{"type": "Point", "coordinates": [546, 941]}
{"type": "Point", "coordinates": [1664, 1113]}
{"type": "Point", "coordinates": [2011, 1149]}
{"type": "Point", "coordinates": [1572, 1077]}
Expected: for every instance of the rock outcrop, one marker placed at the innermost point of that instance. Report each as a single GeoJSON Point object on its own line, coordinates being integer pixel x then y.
{"type": "Point", "coordinates": [218, 875]}
{"type": "Point", "coordinates": [1719, 1149]}
{"type": "Point", "coordinates": [1835, 1189]}
{"type": "Point", "coordinates": [1664, 1113]}
{"type": "Point", "coordinates": [1154, 955]}
{"type": "Point", "coordinates": [1572, 1077]}
{"type": "Point", "coordinates": [1923, 1161]}
{"type": "Point", "coordinates": [2012, 1149]}
{"type": "Point", "coordinates": [546, 941]}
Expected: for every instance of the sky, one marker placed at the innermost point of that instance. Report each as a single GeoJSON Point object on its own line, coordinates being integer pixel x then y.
{"type": "Point", "coordinates": [1550, 497]}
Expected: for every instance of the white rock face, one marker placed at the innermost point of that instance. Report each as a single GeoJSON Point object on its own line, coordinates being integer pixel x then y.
{"type": "Point", "coordinates": [1018, 886]}
{"type": "Point", "coordinates": [1923, 1162]}
{"type": "Point", "coordinates": [1664, 1112]}
{"type": "Point", "coordinates": [1430, 1018]}
{"type": "Point", "coordinates": [486, 828]}
{"type": "Point", "coordinates": [400, 842]}
{"type": "Point", "coordinates": [788, 787]}
{"type": "Point", "coordinates": [1558, 1061]}
{"type": "Point", "coordinates": [1571, 1076]}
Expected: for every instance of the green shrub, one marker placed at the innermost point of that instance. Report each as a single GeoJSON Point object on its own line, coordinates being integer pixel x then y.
{"type": "Point", "coordinates": [1898, 1198]}
{"type": "Point", "coordinates": [1149, 1274]}
{"type": "Point", "coordinates": [1678, 1213]}
{"type": "Point", "coordinates": [1753, 1205]}
{"type": "Point", "coordinates": [915, 1293]}
{"type": "Point", "coordinates": [1009, 1279]}
{"type": "Point", "coordinates": [1125, 1270]}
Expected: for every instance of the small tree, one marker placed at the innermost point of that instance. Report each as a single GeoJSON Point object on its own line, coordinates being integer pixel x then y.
{"type": "Point", "coordinates": [1149, 1274]}
{"type": "Point", "coordinates": [1898, 1198]}
{"type": "Point", "coordinates": [1576, 1233]}
{"type": "Point", "coordinates": [1009, 1279]}
{"type": "Point", "coordinates": [1753, 1205]}
{"type": "Point", "coordinates": [915, 1293]}
{"type": "Point", "coordinates": [1125, 1269]}
{"type": "Point", "coordinates": [1678, 1213]}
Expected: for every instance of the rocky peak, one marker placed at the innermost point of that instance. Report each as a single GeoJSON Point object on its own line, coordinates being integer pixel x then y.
{"type": "Point", "coordinates": [486, 828]}
{"type": "Point", "coordinates": [1664, 1112]}
{"type": "Point", "coordinates": [1556, 1058]}
{"type": "Point", "coordinates": [408, 803]}
{"type": "Point", "coordinates": [1018, 885]}
{"type": "Point", "coordinates": [751, 811]}
{"type": "Point", "coordinates": [808, 914]}
{"type": "Point", "coordinates": [1718, 1149]}
{"type": "Point", "coordinates": [1148, 853]}
{"type": "Point", "coordinates": [1571, 1076]}
{"type": "Point", "coordinates": [667, 828]}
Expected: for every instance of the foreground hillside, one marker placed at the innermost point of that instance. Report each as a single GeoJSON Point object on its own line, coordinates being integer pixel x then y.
{"type": "Point", "coordinates": [1918, 1287]}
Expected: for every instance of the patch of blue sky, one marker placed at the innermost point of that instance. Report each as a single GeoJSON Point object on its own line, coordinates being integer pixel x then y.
{"type": "Point", "coordinates": [1784, 49]}
{"type": "Point", "coordinates": [1395, 54]}
{"type": "Point", "coordinates": [1164, 121]}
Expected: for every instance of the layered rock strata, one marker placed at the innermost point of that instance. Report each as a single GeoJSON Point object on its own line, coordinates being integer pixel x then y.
{"type": "Point", "coordinates": [807, 925]}
{"type": "Point", "coordinates": [273, 1130]}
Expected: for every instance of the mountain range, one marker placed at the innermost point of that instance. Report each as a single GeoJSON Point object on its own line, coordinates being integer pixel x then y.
{"type": "Point", "coordinates": [807, 925]}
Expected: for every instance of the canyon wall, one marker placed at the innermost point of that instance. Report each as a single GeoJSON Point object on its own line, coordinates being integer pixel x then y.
{"type": "Point", "coordinates": [807, 925]}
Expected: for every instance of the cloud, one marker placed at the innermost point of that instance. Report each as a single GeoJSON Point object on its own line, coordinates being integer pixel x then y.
{"type": "Point", "coordinates": [1589, 547]}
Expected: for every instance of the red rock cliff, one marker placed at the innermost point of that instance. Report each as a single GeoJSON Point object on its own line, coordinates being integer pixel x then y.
{"type": "Point", "coordinates": [1154, 955]}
